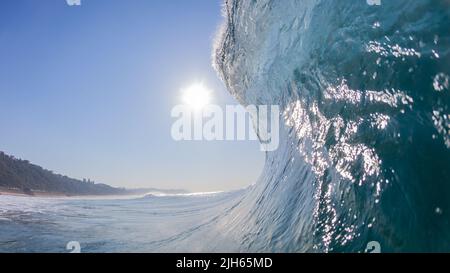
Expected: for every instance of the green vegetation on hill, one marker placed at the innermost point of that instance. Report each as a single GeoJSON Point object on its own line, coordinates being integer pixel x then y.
{"type": "Point", "coordinates": [21, 174]}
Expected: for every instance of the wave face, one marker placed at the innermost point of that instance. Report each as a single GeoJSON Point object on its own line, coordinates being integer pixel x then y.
{"type": "Point", "coordinates": [364, 150]}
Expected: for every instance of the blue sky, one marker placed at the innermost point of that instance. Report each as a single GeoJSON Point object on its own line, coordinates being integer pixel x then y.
{"type": "Point", "coordinates": [87, 91]}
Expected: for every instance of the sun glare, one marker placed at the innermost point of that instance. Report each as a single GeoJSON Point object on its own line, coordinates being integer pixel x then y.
{"type": "Point", "coordinates": [196, 96]}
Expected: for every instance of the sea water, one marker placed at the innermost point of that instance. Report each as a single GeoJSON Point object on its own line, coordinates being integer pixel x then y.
{"type": "Point", "coordinates": [152, 223]}
{"type": "Point", "coordinates": [364, 142]}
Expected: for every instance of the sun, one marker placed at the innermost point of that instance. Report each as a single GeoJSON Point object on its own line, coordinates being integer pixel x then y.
{"type": "Point", "coordinates": [196, 96]}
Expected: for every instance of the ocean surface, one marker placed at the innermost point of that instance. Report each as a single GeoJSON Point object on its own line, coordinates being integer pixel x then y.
{"type": "Point", "coordinates": [364, 143]}
{"type": "Point", "coordinates": [153, 223]}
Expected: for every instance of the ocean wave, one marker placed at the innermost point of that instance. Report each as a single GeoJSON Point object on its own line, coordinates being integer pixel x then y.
{"type": "Point", "coordinates": [364, 153]}
{"type": "Point", "coordinates": [364, 143]}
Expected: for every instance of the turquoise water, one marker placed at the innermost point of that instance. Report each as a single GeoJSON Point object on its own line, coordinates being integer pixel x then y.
{"type": "Point", "coordinates": [364, 150]}
{"type": "Point", "coordinates": [365, 143]}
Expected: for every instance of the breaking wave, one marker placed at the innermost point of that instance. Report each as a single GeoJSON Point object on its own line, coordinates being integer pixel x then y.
{"type": "Point", "coordinates": [364, 143]}
{"type": "Point", "coordinates": [364, 151]}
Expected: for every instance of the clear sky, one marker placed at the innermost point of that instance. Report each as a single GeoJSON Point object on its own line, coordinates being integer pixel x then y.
{"type": "Point", "coordinates": [87, 91]}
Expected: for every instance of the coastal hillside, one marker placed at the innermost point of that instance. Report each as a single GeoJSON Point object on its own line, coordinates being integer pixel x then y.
{"type": "Point", "coordinates": [21, 175]}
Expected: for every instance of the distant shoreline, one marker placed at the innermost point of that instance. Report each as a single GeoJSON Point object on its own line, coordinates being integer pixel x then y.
{"type": "Point", "coordinates": [35, 193]}
{"type": "Point", "coordinates": [19, 192]}
{"type": "Point", "coordinates": [22, 178]}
